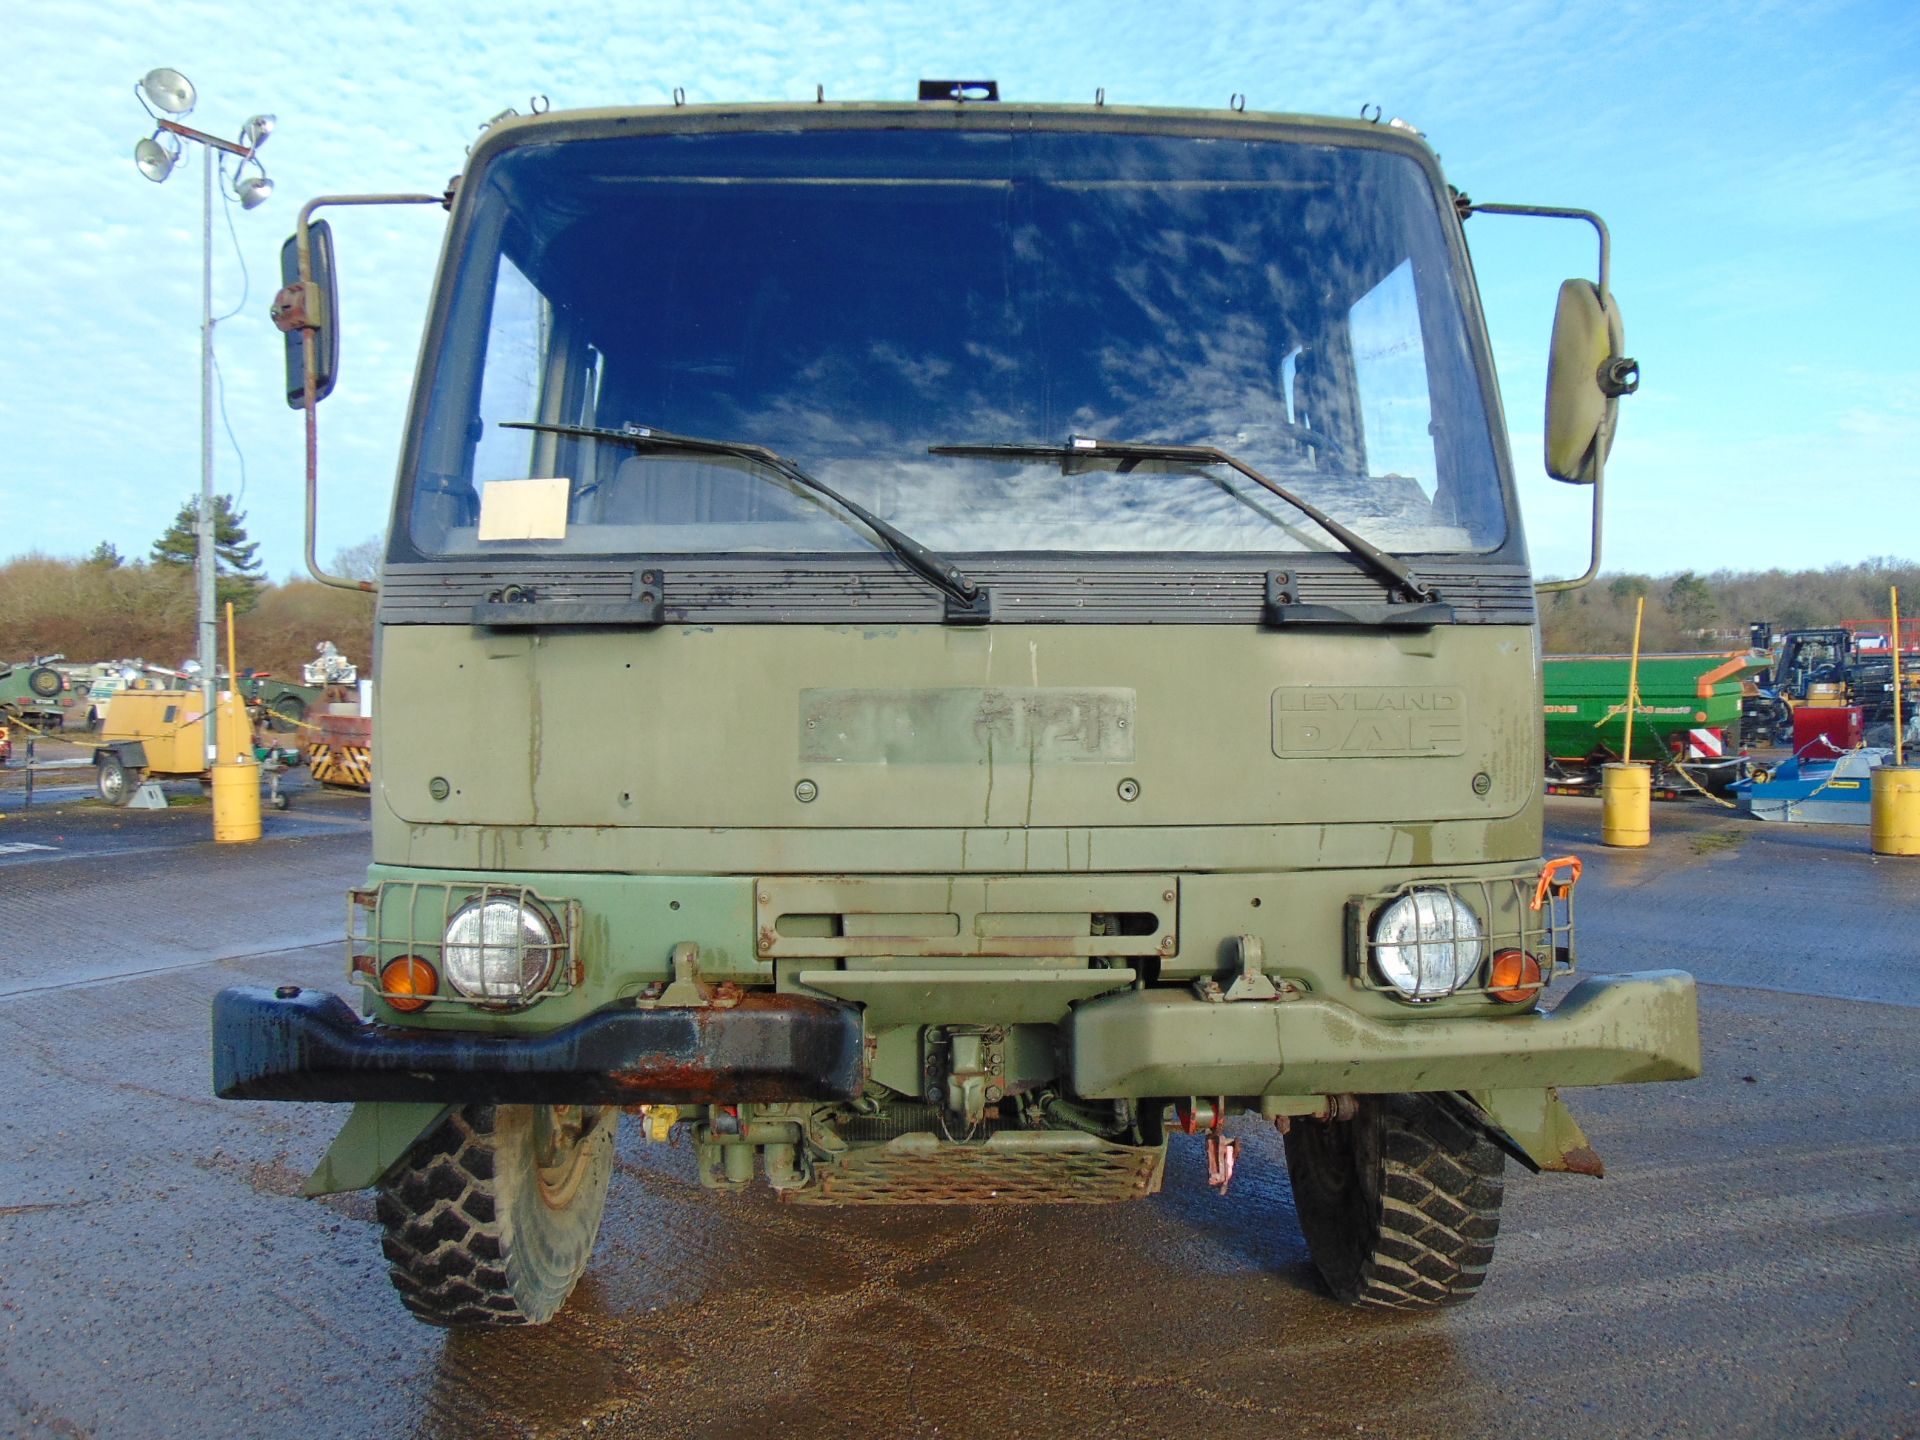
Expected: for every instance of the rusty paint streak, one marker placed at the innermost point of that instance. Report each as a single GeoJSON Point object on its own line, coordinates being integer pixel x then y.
{"type": "Point", "coordinates": [681, 1078]}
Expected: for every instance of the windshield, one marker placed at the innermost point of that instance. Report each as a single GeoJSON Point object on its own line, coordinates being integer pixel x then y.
{"type": "Point", "coordinates": [851, 298]}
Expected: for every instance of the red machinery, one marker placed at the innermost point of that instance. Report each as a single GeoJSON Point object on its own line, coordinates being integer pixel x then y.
{"type": "Point", "coordinates": [1822, 732]}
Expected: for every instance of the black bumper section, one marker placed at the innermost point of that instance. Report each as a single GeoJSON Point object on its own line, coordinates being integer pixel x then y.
{"type": "Point", "coordinates": [294, 1044]}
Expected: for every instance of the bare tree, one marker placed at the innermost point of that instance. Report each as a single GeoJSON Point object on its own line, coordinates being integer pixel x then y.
{"type": "Point", "coordinates": [362, 561]}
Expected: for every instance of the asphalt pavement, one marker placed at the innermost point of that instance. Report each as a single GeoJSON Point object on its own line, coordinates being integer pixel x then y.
{"type": "Point", "coordinates": [1749, 1267]}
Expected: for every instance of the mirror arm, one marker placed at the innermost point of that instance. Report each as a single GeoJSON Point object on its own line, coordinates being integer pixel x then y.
{"type": "Point", "coordinates": [1548, 587]}
{"type": "Point", "coordinates": [1605, 438]}
{"type": "Point", "coordinates": [1556, 212]}
{"type": "Point", "coordinates": [310, 366]}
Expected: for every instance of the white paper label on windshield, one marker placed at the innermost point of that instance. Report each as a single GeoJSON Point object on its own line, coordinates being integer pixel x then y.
{"type": "Point", "coordinates": [524, 509]}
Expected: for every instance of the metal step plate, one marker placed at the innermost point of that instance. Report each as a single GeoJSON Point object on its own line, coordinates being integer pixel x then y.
{"type": "Point", "coordinates": [1010, 1168]}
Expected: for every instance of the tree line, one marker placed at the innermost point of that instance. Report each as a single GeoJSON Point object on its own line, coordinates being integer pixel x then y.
{"type": "Point", "coordinates": [109, 607]}
{"type": "Point", "coordinates": [1712, 611]}
{"type": "Point", "coordinates": [105, 607]}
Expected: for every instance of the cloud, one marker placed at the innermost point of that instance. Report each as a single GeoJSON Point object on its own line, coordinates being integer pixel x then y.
{"type": "Point", "coordinates": [99, 271]}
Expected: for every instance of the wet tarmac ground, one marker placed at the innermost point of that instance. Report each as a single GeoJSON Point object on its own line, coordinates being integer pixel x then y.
{"type": "Point", "coordinates": [1749, 1267]}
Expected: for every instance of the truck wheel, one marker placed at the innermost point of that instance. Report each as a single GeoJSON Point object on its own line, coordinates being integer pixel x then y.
{"type": "Point", "coordinates": [44, 681]}
{"type": "Point", "coordinates": [286, 713]}
{"type": "Point", "coordinates": [1400, 1204]}
{"type": "Point", "coordinates": [491, 1218]}
{"type": "Point", "coordinates": [115, 781]}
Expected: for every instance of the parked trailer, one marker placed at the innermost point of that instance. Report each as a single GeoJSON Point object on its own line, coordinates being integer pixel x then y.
{"type": "Point", "coordinates": [150, 733]}
{"type": "Point", "coordinates": [1688, 715]}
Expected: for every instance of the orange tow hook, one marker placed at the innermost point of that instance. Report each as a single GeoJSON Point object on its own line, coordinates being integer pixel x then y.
{"type": "Point", "coordinates": [1222, 1150]}
{"type": "Point", "coordinates": [1559, 889]}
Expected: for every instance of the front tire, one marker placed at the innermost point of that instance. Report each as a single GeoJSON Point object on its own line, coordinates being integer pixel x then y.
{"type": "Point", "coordinates": [491, 1218]}
{"type": "Point", "coordinates": [1400, 1205]}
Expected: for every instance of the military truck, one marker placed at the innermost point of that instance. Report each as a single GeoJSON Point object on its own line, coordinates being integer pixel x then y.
{"type": "Point", "coordinates": [1068, 666]}
{"type": "Point", "coordinates": [34, 693]}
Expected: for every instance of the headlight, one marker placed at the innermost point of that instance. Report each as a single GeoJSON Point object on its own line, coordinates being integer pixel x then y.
{"type": "Point", "coordinates": [498, 950]}
{"type": "Point", "coordinates": [1426, 944]}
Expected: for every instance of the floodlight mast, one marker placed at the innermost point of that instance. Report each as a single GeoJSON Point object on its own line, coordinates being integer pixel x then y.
{"type": "Point", "coordinates": [169, 91]}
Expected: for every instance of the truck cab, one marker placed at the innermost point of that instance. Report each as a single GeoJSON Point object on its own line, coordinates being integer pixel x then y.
{"type": "Point", "coordinates": [1065, 668]}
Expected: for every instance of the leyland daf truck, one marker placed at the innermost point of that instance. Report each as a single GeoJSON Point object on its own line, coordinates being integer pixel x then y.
{"type": "Point", "coordinates": [1064, 669]}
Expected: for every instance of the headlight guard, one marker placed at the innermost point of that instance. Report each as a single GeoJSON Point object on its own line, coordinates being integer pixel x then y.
{"type": "Point", "coordinates": [1429, 939]}
{"type": "Point", "coordinates": [494, 947]}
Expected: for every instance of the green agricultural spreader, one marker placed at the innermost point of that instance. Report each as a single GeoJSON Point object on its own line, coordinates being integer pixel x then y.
{"type": "Point", "coordinates": [1688, 715]}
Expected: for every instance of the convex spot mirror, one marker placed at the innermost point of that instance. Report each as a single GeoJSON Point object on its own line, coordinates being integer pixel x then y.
{"type": "Point", "coordinates": [321, 304]}
{"type": "Point", "coordinates": [1586, 376]}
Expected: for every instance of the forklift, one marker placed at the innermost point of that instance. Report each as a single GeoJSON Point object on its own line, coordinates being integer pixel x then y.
{"type": "Point", "coordinates": [1825, 667]}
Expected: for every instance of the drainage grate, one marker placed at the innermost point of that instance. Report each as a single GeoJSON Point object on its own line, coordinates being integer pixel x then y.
{"type": "Point", "coordinates": [1012, 1168]}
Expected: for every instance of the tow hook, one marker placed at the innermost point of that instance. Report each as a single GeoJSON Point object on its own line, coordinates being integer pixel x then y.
{"type": "Point", "coordinates": [1249, 979]}
{"type": "Point", "coordinates": [1223, 1151]}
{"type": "Point", "coordinates": [688, 986]}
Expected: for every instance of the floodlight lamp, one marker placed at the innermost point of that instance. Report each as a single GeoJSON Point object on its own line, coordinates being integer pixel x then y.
{"type": "Point", "coordinates": [168, 89]}
{"type": "Point", "coordinates": [155, 159]}
{"type": "Point", "coordinates": [255, 132]}
{"type": "Point", "coordinates": [253, 191]}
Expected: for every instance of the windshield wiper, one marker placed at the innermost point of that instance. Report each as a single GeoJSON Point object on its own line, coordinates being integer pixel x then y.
{"type": "Point", "coordinates": [1080, 447]}
{"type": "Point", "coordinates": [966, 599]}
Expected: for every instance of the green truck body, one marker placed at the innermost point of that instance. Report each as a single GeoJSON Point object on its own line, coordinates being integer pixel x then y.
{"type": "Point", "coordinates": [1124, 795]}
{"type": "Point", "coordinates": [284, 704]}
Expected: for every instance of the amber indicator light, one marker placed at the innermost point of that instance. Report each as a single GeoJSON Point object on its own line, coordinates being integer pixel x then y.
{"type": "Point", "coordinates": [408, 983]}
{"type": "Point", "coordinates": [1515, 977]}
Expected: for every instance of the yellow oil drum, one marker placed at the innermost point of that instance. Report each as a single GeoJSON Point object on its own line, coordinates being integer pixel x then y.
{"type": "Point", "coordinates": [1895, 818]}
{"type": "Point", "coordinates": [236, 802]}
{"type": "Point", "coordinates": [1626, 802]}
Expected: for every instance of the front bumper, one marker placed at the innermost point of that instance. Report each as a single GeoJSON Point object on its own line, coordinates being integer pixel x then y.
{"type": "Point", "coordinates": [767, 1048]}
{"type": "Point", "coordinates": [295, 1044]}
{"type": "Point", "coordinates": [1610, 1030]}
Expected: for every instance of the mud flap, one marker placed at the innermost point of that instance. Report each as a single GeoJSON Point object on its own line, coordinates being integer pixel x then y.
{"type": "Point", "coordinates": [377, 1134]}
{"type": "Point", "coordinates": [1537, 1129]}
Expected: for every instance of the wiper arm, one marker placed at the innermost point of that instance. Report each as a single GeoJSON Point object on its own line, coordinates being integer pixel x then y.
{"type": "Point", "coordinates": [1082, 448]}
{"type": "Point", "coordinates": [969, 601]}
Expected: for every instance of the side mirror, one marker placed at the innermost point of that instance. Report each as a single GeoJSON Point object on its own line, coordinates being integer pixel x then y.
{"type": "Point", "coordinates": [315, 307]}
{"type": "Point", "coordinates": [1586, 376]}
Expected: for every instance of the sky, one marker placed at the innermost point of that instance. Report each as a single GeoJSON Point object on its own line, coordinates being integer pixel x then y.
{"type": "Point", "coordinates": [1758, 165]}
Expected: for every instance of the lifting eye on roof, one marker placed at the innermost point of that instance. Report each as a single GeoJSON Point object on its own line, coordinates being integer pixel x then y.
{"type": "Point", "coordinates": [960, 91]}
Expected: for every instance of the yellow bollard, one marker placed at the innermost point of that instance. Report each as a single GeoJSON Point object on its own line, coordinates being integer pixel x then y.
{"type": "Point", "coordinates": [1626, 802]}
{"type": "Point", "coordinates": [236, 782]}
{"type": "Point", "coordinates": [1895, 821]}
{"type": "Point", "coordinates": [236, 801]}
